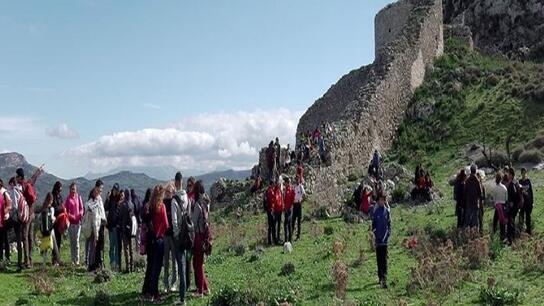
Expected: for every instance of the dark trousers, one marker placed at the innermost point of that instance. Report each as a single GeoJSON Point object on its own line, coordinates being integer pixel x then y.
{"type": "Point", "coordinates": [58, 238]}
{"type": "Point", "coordinates": [158, 253]}
{"type": "Point", "coordinates": [4, 244]}
{"type": "Point", "coordinates": [381, 258]}
{"type": "Point", "coordinates": [460, 213]}
{"type": "Point", "coordinates": [525, 216]}
{"type": "Point", "coordinates": [288, 225]}
{"type": "Point", "coordinates": [270, 220]}
{"type": "Point", "coordinates": [277, 227]}
{"type": "Point", "coordinates": [28, 239]}
{"type": "Point", "coordinates": [297, 217]}
{"type": "Point", "coordinates": [188, 270]}
{"type": "Point", "coordinates": [511, 227]}
{"type": "Point", "coordinates": [99, 254]}
{"type": "Point", "coordinates": [471, 217]}
{"type": "Point", "coordinates": [150, 252]}
{"type": "Point", "coordinates": [18, 230]}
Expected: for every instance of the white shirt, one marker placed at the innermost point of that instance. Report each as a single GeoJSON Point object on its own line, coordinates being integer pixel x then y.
{"type": "Point", "coordinates": [299, 193]}
{"type": "Point", "coordinates": [501, 194]}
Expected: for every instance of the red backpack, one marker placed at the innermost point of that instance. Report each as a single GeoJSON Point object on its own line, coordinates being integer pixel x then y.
{"type": "Point", "coordinates": [22, 208]}
{"type": "Point", "coordinates": [29, 193]}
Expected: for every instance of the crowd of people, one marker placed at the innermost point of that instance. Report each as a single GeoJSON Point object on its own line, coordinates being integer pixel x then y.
{"type": "Point", "coordinates": [511, 198]}
{"type": "Point", "coordinates": [170, 227]}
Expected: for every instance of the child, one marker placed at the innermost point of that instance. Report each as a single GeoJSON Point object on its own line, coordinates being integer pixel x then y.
{"type": "Point", "coordinates": [381, 226]}
{"type": "Point", "coordinates": [47, 218]}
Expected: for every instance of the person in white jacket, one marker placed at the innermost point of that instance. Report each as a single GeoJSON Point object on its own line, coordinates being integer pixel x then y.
{"type": "Point", "coordinates": [94, 207]}
{"type": "Point", "coordinates": [500, 197]}
{"type": "Point", "coordinates": [180, 209]}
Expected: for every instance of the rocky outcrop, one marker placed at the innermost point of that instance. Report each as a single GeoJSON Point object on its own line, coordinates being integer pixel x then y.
{"type": "Point", "coordinates": [511, 27]}
{"type": "Point", "coordinates": [367, 105]}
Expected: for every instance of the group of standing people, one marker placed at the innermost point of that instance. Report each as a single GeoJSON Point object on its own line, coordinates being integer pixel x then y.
{"type": "Point", "coordinates": [170, 226]}
{"type": "Point", "coordinates": [284, 199]}
{"type": "Point", "coordinates": [311, 140]}
{"type": "Point", "coordinates": [510, 198]}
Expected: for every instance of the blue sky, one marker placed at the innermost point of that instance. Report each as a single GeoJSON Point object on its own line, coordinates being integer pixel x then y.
{"type": "Point", "coordinates": [89, 85]}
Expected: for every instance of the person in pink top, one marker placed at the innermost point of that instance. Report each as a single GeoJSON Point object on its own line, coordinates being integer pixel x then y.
{"type": "Point", "coordinates": [74, 208]}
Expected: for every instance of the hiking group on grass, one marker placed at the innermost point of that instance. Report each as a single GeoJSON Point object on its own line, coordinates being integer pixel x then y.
{"type": "Point", "coordinates": [170, 227]}
{"type": "Point", "coordinates": [510, 197]}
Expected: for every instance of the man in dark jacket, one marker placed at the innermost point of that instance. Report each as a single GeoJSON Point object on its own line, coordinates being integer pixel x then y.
{"type": "Point", "coordinates": [513, 204]}
{"type": "Point", "coordinates": [473, 197]}
{"type": "Point", "coordinates": [527, 209]}
{"type": "Point", "coordinates": [381, 226]}
{"type": "Point", "coordinates": [459, 197]}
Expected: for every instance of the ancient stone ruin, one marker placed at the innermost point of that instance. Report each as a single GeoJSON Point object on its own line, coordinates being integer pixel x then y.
{"type": "Point", "coordinates": [367, 105]}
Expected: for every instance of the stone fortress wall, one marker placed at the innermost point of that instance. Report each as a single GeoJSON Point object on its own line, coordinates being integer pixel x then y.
{"type": "Point", "coordinates": [367, 105]}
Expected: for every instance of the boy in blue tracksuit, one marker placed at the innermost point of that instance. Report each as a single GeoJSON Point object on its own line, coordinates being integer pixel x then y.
{"type": "Point", "coordinates": [381, 226]}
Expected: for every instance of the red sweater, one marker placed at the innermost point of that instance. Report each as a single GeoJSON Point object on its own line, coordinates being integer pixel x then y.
{"type": "Point", "coordinates": [289, 197]}
{"type": "Point", "coordinates": [278, 200]}
{"type": "Point", "coordinates": [271, 196]}
{"type": "Point", "coordinates": [160, 222]}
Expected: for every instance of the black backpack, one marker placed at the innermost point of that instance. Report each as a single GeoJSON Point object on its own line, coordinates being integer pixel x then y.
{"type": "Point", "coordinates": [46, 222]}
{"type": "Point", "coordinates": [187, 233]}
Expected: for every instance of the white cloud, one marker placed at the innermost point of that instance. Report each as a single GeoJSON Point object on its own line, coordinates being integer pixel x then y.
{"type": "Point", "coordinates": [152, 106]}
{"type": "Point", "coordinates": [62, 131]}
{"type": "Point", "coordinates": [11, 126]}
{"type": "Point", "coordinates": [204, 142]}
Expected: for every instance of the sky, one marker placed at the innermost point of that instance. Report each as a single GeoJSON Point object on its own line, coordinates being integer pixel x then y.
{"type": "Point", "coordinates": [94, 85]}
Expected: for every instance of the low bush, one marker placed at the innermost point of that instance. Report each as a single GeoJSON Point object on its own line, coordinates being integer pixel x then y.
{"type": "Point", "coordinates": [340, 274]}
{"type": "Point", "coordinates": [43, 285]}
{"type": "Point", "coordinates": [496, 296]}
{"type": "Point", "coordinates": [399, 194]}
{"type": "Point", "coordinates": [287, 269]}
{"type": "Point", "coordinates": [103, 276]}
{"type": "Point", "coordinates": [102, 298]}
{"type": "Point", "coordinates": [232, 295]}
{"type": "Point", "coordinates": [477, 252]}
{"type": "Point", "coordinates": [239, 248]}
{"type": "Point", "coordinates": [328, 230]}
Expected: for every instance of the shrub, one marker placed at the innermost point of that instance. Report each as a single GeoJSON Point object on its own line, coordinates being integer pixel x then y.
{"type": "Point", "coordinates": [493, 295]}
{"type": "Point", "coordinates": [398, 194]}
{"type": "Point", "coordinates": [322, 213]}
{"type": "Point", "coordinates": [233, 295]}
{"type": "Point", "coordinates": [517, 152]}
{"type": "Point", "coordinates": [102, 298]}
{"type": "Point", "coordinates": [534, 257]}
{"type": "Point", "coordinates": [538, 142]}
{"type": "Point", "coordinates": [530, 156]}
{"type": "Point", "coordinates": [43, 285]}
{"type": "Point", "coordinates": [254, 257]}
{"type": "Point", "coordinates": [340, 275]}
{"type": "Point", "coordinates": [352, 177]}
{"type": "Point", "coordinates": [287, 269]}
{"type": "Point", "coordinates": [328, 230]}
{"type": "Point", "coordinates": [103, 276]}
{"type": "Point", "coordinates": [338, 248]}
{"type": "Point", "coordinates": [361, 259]}
{"type": "Point", "coordinates": [477, 252]}
{"type": "Point", "coordinates": [239, 248]}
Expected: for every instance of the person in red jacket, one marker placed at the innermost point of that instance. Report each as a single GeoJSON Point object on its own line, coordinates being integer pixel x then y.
{"type": "Point", "coordinates": [288, 200]}
{"type": "Point", "coordinates": [365, 200]}
{"type": "Point", "coordinates": [277, 210]}
{"type": "Point", "coordinates": [270, 197]}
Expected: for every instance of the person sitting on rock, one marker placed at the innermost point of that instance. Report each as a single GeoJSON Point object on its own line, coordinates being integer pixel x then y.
{"type": "Point", "coordinates": [428, 186]}
{"type": "Point", "coordinates": [366, 195]}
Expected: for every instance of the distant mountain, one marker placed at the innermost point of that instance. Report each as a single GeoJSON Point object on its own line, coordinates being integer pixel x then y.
{"type": "Point", "coordinates": [161, 173]}
{"type": "Point", "coordinates": [210, 178]}
{"type": "Point", "coordinates": [140, 181]}
{"type": "Point", "coordinates": [9, 162]}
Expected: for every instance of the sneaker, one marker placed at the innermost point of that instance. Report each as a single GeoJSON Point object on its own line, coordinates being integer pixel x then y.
{"type": "Point", "coordinates": [173, 289]}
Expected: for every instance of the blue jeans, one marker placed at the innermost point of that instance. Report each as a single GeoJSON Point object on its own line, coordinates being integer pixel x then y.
{"type": "Point", "coordinates": [115, 251]}
{"type": "Point", "coordinates": [158, 253]}
{"type": "Point", "coordinates": [180, 259]}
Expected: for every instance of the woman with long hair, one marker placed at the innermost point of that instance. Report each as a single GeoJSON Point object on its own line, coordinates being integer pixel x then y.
{"type": "Point", "coordinates": [127, 211]}
{"type": "Point", "coordinates": [200, 221]}
{"type": "Point", "coordinates": [61, 218]}
{"type": "Point", "coordinates": [74, 208]}
{"type": "Point", "coordinates": [155, 216]}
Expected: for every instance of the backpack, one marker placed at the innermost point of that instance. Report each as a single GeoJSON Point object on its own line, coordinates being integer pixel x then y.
{"type": "Point", "coordinates": [87, 224]}
{"type": "Point", "coordinates": [46, 222]}
{"type": "Point", "coordinates": [187, 232]}
{"type": "Point", "coordinates": [21, 209]}
{"type": "Point", "coordinates": [29, 193]}
{"type": "Point", "coordinates": [207, 241]}
{"type": "Point", "coordinates": [520, 196]}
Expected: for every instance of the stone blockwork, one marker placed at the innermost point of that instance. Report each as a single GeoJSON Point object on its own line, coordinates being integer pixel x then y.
{"type": "Point", "coordinates": [511, 27]}
{"type": "Point", "coordinates": [367, 105]}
